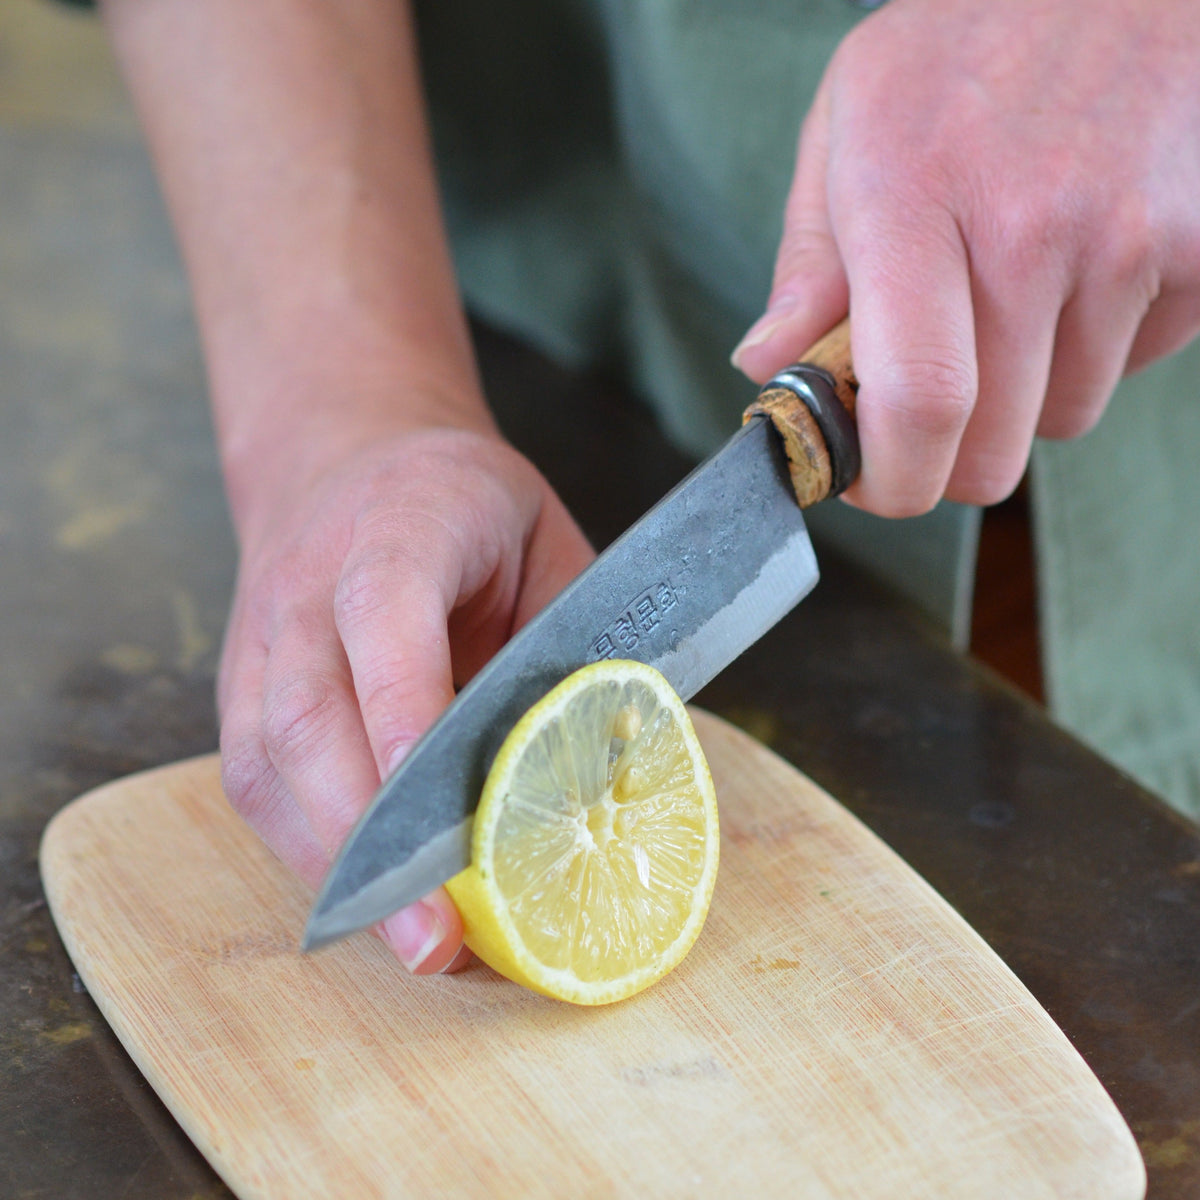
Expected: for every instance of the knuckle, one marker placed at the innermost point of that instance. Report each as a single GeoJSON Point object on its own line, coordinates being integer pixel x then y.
{"type": "Point", "coordinates": [806, 245]}
{"type": "Point", "coordinates": [395, 707]}
{"type": "Point", "coordinates": [1064, 232]}
{"type": "Point", "coordinates": [1031, 231]}
{"type": "Point", "coordinates": [933, 394]}
{"type": "Point", "coordinates": [296, 710]}
{"type": "Point", "coordinates": [360, 592]}
{"type": "Point", "coordinates": [1027, 228]}
{"type": "Point", "coordinates": [382, 582]}
{"type": "Point", "coordinates": [1029, 248]}
{"type": "Point", "coordinates": [247, 776]}
{"type": "Point", "coordinates": [1132, 249]}
{"type": "Point", "coordinates": [272, 590]}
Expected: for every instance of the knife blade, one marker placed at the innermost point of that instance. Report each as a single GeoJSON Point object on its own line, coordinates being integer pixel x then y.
{"type": "Point", "coordinates": [690, 586]}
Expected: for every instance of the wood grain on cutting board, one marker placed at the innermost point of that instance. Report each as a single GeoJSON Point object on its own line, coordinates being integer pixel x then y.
{"type": "Point", "coordinates": [838, 1030]}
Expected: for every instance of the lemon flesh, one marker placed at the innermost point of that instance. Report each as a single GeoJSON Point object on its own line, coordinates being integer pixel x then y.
{"type": "Point", "coordinates": [595, 844]}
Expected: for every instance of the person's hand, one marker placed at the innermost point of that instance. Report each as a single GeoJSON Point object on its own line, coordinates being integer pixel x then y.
{"type": "Point", "coordinates": [371, 585]}
{"type": "Point", "coordinates": [1004, 195]}
{"type": "Point", "coordinates": [390, 540]}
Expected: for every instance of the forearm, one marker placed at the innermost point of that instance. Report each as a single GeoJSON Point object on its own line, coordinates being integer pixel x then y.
{"type": "Point", "coordinates": [292, 148]}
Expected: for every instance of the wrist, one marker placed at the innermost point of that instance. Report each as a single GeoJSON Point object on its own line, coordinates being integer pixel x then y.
{"type": "Point", "coordinates": [287, 415]}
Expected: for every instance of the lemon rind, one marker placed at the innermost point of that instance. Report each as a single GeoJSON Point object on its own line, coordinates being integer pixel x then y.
{"type": "Point", "coordinates": [475, 888]}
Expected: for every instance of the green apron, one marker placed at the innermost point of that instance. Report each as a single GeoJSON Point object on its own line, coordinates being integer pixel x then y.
{"type": "Point", "coordinates": [614, 173]}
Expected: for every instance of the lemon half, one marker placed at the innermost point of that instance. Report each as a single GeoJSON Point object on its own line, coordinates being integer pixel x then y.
{"type": "Point", "coordinates": [595, 845]}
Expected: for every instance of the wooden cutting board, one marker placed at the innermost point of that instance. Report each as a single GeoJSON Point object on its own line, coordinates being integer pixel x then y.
{"type": "Point", "coordinates": [838, 1030]}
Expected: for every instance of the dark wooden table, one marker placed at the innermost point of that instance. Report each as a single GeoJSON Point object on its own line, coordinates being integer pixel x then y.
{"type": "Point", "coordinates": [117, 563]}
{"type": "Point", "coordinates": [1088, 887]}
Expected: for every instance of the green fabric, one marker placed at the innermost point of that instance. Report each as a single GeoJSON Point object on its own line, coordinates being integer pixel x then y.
{"type": "Point", "coordinates": [1119, 578]}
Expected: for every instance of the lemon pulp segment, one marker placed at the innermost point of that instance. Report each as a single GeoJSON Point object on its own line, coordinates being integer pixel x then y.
{"type": "Point", "coordinates": [595, 845]}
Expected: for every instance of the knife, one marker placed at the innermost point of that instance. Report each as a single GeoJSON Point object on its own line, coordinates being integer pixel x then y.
{"type": "Point", "coordinates": [690, 586]}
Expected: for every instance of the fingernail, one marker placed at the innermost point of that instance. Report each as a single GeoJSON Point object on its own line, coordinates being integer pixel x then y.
{"type": "Point", "coordinates": [780, 310]}
{"type": "Point", "coordinates": [414, 933]}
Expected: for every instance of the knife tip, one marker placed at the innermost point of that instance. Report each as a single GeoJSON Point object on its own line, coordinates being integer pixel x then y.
{"type": "Point", "coordinates": [318, 933]}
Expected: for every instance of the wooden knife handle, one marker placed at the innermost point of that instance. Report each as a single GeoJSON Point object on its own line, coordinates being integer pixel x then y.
{"type": "Point", "coordinates": [811, 404]}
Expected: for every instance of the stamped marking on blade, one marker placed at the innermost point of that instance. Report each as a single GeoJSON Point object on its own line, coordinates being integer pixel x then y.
{"type": "Point", "coordinates": [640, 619]}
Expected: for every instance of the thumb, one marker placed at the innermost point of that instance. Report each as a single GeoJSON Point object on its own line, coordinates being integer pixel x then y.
{"type": "Point", "coordinates": [809, 293]}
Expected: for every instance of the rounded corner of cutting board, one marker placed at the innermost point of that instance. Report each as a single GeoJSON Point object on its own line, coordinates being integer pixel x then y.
{"type": "Point", "coordinates": [749, 1030]}
{"type": "Point", "coordinates": [75, 820]}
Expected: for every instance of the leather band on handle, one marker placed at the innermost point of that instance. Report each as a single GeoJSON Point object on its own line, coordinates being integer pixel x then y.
{"type": "Point", "coordinates": [811, 404]}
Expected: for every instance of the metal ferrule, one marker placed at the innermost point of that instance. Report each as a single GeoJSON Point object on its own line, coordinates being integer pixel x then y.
{"type": "Point", "coordinates": [815, 387]}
